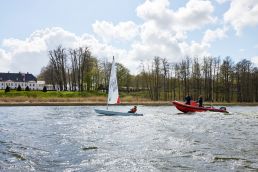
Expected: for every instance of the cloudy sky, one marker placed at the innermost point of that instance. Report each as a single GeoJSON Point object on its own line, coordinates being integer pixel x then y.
{"type": "Point", "coordinates": [133, 31]}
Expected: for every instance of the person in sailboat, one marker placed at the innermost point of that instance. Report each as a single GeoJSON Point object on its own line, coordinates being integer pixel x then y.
{"type": "Point", "coordinates": [133, 110]}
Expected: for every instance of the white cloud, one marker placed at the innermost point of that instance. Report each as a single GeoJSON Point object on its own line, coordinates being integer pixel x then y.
{"type": "Point", "coordinates": [108, 31]}
{"type": "Point", "coordinates": [163, 33]}
{"type": "Point", "coordinates": [100, 49]}
{"type": "Point", "coordinates": [222, 1]}
{"type": "Point", "coordinates": [31, 54]}
{"type": "Point", "coordinates": [212, 35]}
{"type": "Point", "coordinates": [5, 60]}
{"type": "Point", "coordinates": [41, 40]}
{"type": "Point", "coordinates": [242, 14]}
{"type": "Point", "coordinates": [194, 49]}
{"type": "Point", "coordinates": [31, 62]}
{"type": "Point", "coordinates": [155, 10]}
{"type": "Point", "coordinates": [155, 42]}
{"type": "Point", "coordinates": [255, 60]}
{"type": "Point", "coordinates": [195, 14]}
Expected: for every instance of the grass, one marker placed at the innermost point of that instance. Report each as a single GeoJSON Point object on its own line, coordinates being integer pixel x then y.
{"type": "Point", "coordinates": [89, 97]}
{"type": "Point", "coordinates": [132, 96]}
{"type": "Point", "coordinates": [49, 94]}
{"type": "Point", "coordinates": [61, 96]}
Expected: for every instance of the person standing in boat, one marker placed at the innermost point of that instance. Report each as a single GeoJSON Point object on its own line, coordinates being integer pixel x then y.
{"type": "Point", "coordinates": [133, 110]}
{"type": "Point", "coordinates": [188, 99]}
{"type": "Point", "coordinates": [200, 101]}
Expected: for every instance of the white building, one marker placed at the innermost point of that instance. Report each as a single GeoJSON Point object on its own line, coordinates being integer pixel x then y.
{"type": "Point", "coordinates": [13, 80]}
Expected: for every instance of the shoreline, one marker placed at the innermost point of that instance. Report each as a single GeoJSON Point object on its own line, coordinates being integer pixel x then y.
{"type": "Point", "coordinates": [81, 104]}
{"type": "Point", "coordinates": [100, 103]}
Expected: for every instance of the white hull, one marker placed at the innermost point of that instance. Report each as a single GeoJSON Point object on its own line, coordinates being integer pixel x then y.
{"type": "Point", "coordinates": [111, 113]}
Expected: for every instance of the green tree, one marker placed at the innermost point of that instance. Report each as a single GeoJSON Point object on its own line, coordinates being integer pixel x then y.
{"type": "Point", "coordinates": [123, 76]}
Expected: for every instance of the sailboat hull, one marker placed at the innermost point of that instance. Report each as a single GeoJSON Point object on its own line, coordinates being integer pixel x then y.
{"type": "Point", "coordinates": [115, 113]}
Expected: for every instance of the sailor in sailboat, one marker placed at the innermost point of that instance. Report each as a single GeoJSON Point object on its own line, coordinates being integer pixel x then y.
{"type": "Point", "coordinates": [133, 110]}
{"type": "Point", "coordinates": [113, 96]}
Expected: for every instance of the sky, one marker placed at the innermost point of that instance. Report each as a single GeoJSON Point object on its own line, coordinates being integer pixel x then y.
{"type": "Point", "coordinates": [133, 31]}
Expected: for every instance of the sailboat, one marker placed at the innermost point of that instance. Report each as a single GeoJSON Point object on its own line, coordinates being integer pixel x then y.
{"type": "Point", "coordinates": [113, 96]}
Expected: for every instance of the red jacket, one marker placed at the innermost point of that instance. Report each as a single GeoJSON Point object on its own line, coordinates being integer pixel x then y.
{"type": "Point", "coordinates": [133, 110]}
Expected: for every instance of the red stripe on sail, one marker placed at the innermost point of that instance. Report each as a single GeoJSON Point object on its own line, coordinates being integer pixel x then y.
{"type": "Point", "coordinates": [118, 100]}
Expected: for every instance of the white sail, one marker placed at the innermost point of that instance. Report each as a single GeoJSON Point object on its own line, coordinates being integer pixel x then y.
{"type": "Point", "coordinates": [113, 96]}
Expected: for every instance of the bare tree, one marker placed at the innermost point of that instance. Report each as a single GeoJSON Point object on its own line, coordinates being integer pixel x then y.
{"type": "Point", "coordinates": [58, 59]}
{"type": "Point", "coordinates": [196, 78]}
{"type": "Point", "coordinates": [165, 73]}
{"type": "Point", "coordinates": [226, 70]}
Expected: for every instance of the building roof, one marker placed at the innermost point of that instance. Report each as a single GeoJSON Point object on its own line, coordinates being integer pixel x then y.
{"type": "Point", "coordinates": [17, 77]}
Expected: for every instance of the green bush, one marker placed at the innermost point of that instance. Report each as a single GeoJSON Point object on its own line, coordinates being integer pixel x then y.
{"type": "Point", "coordinates": [27, 88]}
{"type": "Point", "coordinates": [7, 89]}
{"type": "Point", "coordinates": [19, 88]}
{"type": "Point", "coordinates": [44, 89]}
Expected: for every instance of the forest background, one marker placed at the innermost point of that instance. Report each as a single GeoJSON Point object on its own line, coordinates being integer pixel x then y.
{"type": "Point", "coordinates": [78, 74]}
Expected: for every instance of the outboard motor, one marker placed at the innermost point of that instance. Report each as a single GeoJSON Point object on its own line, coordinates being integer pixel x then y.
{"type": "Point", "coordinates": [223, 108]}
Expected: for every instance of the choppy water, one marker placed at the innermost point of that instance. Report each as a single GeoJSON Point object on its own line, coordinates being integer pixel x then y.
{"type": "Point", "coordinates": [77, 139]}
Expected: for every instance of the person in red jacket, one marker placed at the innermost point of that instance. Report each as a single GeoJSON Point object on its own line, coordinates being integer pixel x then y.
{"type": "Point", "coordinates": [133, 110]}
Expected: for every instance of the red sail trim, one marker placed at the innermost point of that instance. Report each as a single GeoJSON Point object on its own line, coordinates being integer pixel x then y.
{"type": "Point", "coordinates": [118, 100]}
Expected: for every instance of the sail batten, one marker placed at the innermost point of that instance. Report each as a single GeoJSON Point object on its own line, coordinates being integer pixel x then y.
{"type": "Point", "coordinates": [113, 96]}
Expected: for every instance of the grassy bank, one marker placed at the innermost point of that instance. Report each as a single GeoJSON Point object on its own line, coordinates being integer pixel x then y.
{"type": "Point", "coordinates": [85, 98]}
{"type": "Point", "coordinates": [65, 97]}
{"type": "Point", "coordinates": [49, 94]}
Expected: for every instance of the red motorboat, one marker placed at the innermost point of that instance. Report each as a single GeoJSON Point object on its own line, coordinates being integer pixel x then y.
{"type": "Point", "coordinates": [193, 107]}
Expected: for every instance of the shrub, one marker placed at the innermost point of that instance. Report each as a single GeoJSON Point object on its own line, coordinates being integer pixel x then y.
{"type": "Point", "coordinates": [44, 89]}
{"type": "Point", "coordinates": [7, 89]}
{"type": "Point", "coordinates": [19, 88]}
{"type": "Point", "coordinates": [27, 88]}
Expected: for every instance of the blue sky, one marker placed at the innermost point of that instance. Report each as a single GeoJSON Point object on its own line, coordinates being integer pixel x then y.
{"type": "Point", "coordinates": [22, 17]}
{"type": "Point", "coordinates": [131, 30]}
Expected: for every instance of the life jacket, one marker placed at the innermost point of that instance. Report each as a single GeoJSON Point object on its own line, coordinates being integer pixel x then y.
{"type": "Point", "coordinates": [133, 110]}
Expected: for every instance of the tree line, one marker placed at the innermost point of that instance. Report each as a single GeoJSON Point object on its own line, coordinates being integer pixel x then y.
{"type": "Point", "coordinates": [78, 70]}
{"type": "Point", "coordinates": [214, 78]}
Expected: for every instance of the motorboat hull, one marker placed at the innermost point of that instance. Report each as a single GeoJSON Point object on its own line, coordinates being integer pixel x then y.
{"type": "Point", "coordinates": [190, 108]}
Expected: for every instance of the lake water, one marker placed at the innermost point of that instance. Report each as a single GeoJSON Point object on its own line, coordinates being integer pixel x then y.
{"type": "Point", "coordinates": [67, 139]}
